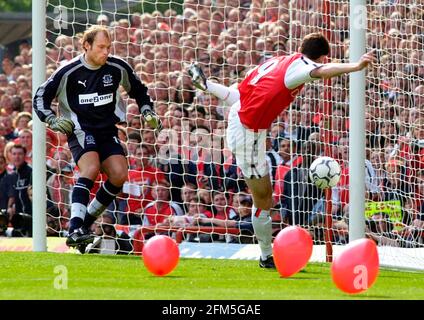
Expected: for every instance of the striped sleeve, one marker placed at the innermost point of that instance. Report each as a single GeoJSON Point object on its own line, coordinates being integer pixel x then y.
{"type": "Point", "coordinates": [45, 95]}
{"type": "Point", "coordinates": [134, 87]}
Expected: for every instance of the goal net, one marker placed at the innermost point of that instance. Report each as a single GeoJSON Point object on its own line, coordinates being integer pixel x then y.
{"type": "Point", "coordinates": [186, 171]}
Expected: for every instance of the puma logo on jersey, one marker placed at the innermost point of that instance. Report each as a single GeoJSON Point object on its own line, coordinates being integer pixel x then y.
{"type": "Point", "coordinates": [83, 83]}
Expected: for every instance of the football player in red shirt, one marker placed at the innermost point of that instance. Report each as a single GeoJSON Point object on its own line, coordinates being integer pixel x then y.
{"type": "Point", "coordinates": [267, 91]}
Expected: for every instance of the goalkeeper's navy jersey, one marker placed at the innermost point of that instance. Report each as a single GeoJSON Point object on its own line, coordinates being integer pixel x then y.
{"type": "Point", "coordinates": [90, 96]}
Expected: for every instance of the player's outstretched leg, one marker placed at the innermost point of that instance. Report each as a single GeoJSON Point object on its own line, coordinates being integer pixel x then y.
{"type": "Point", "coordinates": [197, 76]}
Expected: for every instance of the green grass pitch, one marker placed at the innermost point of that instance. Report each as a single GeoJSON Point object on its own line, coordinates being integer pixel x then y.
{"type": "Point", "coordinates": [31, 275]}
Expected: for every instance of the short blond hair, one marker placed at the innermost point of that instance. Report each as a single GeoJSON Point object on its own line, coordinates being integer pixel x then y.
{"type": "Point", "coordinates": [90, 34]}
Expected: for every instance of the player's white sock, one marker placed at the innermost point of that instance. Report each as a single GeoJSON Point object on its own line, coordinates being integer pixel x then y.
{"type": "Point", "coordinates": [227, 94]}
{"type": "Point", "coordinates": [262, 224]}
{"type": "Point", "coordinates": [78, 210]}
{"type": "Point", "coordinates": [80, 198]}
{"type": "Point", "coordinates": [95, 208]}
{"type": "Point", "coordinates": [104, 196]}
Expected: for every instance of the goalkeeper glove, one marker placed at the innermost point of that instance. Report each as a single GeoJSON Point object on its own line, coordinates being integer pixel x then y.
{"type": "Point", "coordinates": [60, 124]}
{"type": "Point", "coordinates": [152, 119]}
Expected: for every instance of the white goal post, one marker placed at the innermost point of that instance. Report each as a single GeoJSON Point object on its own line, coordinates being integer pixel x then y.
{"type": "Point", "coordinates": [39, 132]}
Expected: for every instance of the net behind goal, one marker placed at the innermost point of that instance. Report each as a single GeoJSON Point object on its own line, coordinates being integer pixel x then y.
{"type": "Point", "coordinates": [186, 170]}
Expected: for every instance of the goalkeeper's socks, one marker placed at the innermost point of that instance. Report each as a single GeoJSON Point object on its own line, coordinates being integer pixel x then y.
{"type": "Point", "coordinates": [89, 220]}
{"type": "Point", "coordinates": [80, 198]}
{"type": "Point", "coordinates": [262, 224]}
{"type": "Point", "coordinates": [106, 194]}
{"type": "Point", "coordinates": [75, 223]}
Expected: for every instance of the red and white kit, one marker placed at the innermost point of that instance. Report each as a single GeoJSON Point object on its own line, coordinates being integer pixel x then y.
{"type": "Point", "coordinates": [266, 92]}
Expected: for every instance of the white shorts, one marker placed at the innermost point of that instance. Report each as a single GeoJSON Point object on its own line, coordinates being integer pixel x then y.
{"type": "Point", "coordinates": [247, 145]}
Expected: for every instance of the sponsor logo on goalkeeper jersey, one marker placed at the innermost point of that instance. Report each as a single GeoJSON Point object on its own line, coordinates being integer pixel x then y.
{"type": "Point", "coordinates": [94, 98]}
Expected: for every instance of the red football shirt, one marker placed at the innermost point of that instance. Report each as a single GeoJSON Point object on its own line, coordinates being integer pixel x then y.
{"type": "Point", "coordinates": [264, 93]}
{"type": "Point", "coordinates": [154, 215]}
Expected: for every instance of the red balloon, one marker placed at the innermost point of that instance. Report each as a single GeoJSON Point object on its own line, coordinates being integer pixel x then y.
{"type": "Point", "coordinates": [292, 250]}
{"type": "Point", "coordinates": [355, 269]}
{"type": "Point", "coordinates": [160, 255]}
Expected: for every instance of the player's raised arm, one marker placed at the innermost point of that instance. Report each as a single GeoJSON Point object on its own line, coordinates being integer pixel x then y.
{"type": "Point", "coordinates": [330, 70]}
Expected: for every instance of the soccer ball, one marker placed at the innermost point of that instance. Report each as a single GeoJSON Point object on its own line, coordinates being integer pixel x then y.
{"type": "Point", "coordinates": [325, 172]}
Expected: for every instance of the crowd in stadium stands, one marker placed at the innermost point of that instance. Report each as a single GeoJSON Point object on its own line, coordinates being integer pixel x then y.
{"type": "Point", "coordinates": [185, 176]}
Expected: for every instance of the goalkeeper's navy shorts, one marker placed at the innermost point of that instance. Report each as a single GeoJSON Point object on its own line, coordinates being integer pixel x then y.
{"type": "Point", "coordinates": [105, 144]}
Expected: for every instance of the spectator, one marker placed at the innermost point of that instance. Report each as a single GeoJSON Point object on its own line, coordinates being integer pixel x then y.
{"type": "Point", "coordinates": [3, 143]}
{"type": "Point", "coordinates": [243, 222]}
{"type": "Point", "coordinates": [298, 200]}
{"type": "Point", "coordinates": [61, 158]}
{"type": "Point", "coordinates": [102, 19]}
{"type": "Point", "coordinates": [59, 186]}
{"type": "Point", "coordinates": [7, 127]}
{"type": "Point", "coordinates": [21, 121]}
{"type": "Point", "coordinates": [53, 219]}
{"type": "Point", "coordinates": [109, 240]}
{"type": "Point", "coordinates": [25, 139]}
{"type": "Point", "coordinates": [133, 142]}
{"type": "Point", "coordinates": [196, 209]}
{"type": "Point", "coordinates": [141, 180]}
{"type": "Point", "coordinates": [372, 182]}
{"type": "Point", "coordinates": [169, 161]}
{"type": "Point", "coordinates": [396, 188]}
{"type": "Point", "coordinates": [132, 111]}
{"type": "Point", "coordinates": [207, 175]}
{"type": "Point", "coordinates": [221, 208]}
{"type": "Point", "coordinates": [19, 203]}
{"type": "Point", "coordinates": [188, 193]}
{"type": "Point", "coordinates": [382, 230]}
{"type": "Point", "coordinates": [27, 105]}
{"type": "Point", "coordinates": [8, 155]}
{"type": "Point", "coordinates": [161, 207]}
{"type": "Point", "coordinates": [7, 67]}
{"type": "Point", "coordinates": [5, 184]}
{"type": "Point", "coordinates": [288, 159]}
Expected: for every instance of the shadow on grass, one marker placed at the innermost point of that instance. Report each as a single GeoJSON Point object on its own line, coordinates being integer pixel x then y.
{"type": "Point", "coordinates": [313, 272]}
{"type": "Point", "coordinates": [111, 256]}
{"type": "Point", "coordinates": [167, 276]}
{"type": "Point", "coordinates": [300, 278]}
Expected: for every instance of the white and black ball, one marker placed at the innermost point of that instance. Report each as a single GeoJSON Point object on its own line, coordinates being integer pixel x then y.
{"type": "Point", "coordinates": [325, 172]}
